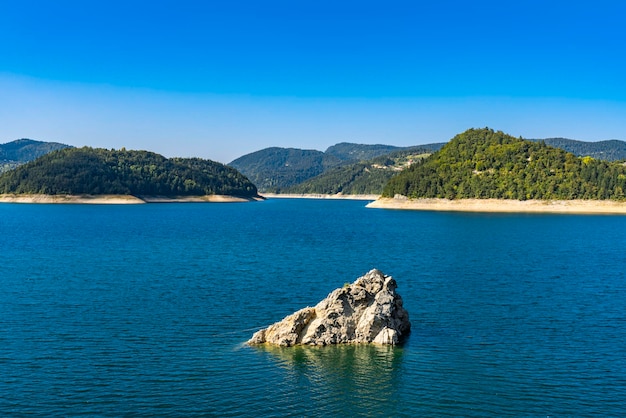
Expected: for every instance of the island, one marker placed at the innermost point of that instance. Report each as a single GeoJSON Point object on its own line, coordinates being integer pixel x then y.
{"type": "Point", "coordinates": [489, 171]}
{"type": "Point", "coordinates": [95, 175]}
{"type": "Point", "coordinates": [366, 311]}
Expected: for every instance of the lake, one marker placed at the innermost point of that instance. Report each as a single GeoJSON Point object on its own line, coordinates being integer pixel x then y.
{"type": "Point", "coordinates": [143, 310]}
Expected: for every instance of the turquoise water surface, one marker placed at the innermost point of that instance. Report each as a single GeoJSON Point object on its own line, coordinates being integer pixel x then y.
{"type": "Point", "coordinates": [144, 310]}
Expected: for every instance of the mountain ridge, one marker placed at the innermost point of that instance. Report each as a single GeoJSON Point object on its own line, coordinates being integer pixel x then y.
{"type": "Point", "coordinates": [609, 150]}
{"type": "Point", "coordinates": [20, 151]}
{"type": "Point", "coordinates": [276, 169]}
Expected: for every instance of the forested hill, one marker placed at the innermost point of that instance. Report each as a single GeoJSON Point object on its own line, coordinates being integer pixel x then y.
{"type": "Point", "coordinates": [138, 173]}
{"type": "Point", "coordinates": [22, 151]}
{"type": "Point", "coordinates": [481, 163]}
{"type": "Point", "coordinates": [273, 169]}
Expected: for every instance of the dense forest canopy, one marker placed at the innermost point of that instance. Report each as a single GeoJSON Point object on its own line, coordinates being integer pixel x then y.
{"type": "Point", "coordinates": [273, 169]}
{"type": "Point", "coordinates": [481, 163]}
{"type": "Point", "coordinates": [100, 171]}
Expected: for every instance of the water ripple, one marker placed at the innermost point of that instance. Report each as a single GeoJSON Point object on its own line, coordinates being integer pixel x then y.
{"type": "Point", "coordinates": [120, 311]}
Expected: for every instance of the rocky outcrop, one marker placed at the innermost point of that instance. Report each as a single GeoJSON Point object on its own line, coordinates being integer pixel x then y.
{"type": "Point", "coordinates": [367, 311]}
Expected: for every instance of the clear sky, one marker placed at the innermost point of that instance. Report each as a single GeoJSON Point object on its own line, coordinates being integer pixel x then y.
{"type": "Point", "coordinates": [219, 79]}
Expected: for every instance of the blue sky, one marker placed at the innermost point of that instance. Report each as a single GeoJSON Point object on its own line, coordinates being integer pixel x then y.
{"type": "Point", "coordinates": [219, 79]}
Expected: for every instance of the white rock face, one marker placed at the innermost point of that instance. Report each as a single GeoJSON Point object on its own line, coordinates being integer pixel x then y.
{"type": "Point", "coordinates": [367, 311]}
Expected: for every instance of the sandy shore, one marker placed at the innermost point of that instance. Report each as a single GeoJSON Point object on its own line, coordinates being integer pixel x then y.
{"type": "Point", "coordinates": [197, 199]}
{"type": "Point", "coordinates": [321, 196]}
{"type": "Point", "coordinates": [115, 199]}
{"type": "Point", "coordinates": [504, 206]}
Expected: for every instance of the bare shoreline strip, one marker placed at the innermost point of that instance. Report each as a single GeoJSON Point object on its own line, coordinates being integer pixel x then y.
{"type": "Point", "coordinates": [116, 199]}
{"type": "Point", "coordinates": [321, 196]}
{"type": "Point", "coordinates": [503, 205]}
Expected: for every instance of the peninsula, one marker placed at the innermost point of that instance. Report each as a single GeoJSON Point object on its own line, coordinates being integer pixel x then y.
{"type": "Point", "coordinates": [88, 175]}
{"type": "Point", "coordinates": [486, 171]}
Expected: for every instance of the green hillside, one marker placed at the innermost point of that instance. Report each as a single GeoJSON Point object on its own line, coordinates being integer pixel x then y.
{"type": "Point", "coordinates": [273, 169]}
{"type": "Point", "coordinates": [366, 177]}
{"type": "Point", "coordinates": [99, 171]}
{"type": "Point", "coordinates": [278, 170]}
{"type": "Point", "coordinates": [481, 163]}
{"type": "Point", "coordinates": [22, 151]}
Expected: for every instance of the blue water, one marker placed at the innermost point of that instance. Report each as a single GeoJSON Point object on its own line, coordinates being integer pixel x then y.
{"type": "Point", "coordinates": [143, 310]}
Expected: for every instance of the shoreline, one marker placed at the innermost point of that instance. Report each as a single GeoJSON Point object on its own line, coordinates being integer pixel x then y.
{"type": "Point", "coordinates": [118, 199]}
{"type": "Point", "coordinates": [503, 205]}
{"type": "Point", "coordinates": [320, 196]}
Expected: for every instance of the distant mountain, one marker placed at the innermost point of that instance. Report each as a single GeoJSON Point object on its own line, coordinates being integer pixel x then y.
{"type": "Point", "coordinates": [95, 171]}
{"type": "Point", "coordinates": [279, 169]}
{"type": "Point", "coordinates": [611, 150]}
{"type": "Point", "coordinates": [359, 152]}
{"type": "Point", "coordinates": [22, 151]}
{"type": "Point", "coordinates": [482, 163]}
{"type": "Point", "coordinates": [273, 169]}
{"type": "Point", "coordinates": [364, 177]}
{"type": "Point", "coordinates": [436, 146]}
{"type": "Point", "coordinates": [346, 151]}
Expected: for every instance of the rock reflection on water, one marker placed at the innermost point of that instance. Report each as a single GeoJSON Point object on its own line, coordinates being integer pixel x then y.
{"type": "Point", "coordinates": [360, 379]}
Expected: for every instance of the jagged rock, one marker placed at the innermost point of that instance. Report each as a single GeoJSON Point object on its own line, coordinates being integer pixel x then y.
{"type": "Point", "coordinates": [367, 311]}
